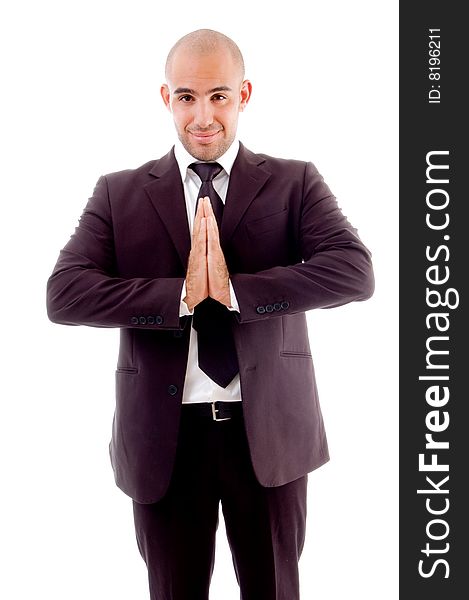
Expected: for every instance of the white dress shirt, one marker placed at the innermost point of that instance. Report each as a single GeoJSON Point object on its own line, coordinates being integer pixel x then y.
{"type": "Point", "coordinates": [198, 387]}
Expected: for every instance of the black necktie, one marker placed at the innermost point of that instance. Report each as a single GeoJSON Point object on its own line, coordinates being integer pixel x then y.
{"type": "Point", "coordinates": [212, 320]}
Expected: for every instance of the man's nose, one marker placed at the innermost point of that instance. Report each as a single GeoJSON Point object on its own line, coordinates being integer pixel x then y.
{"type": "Point", "coordinates": [204, 115]}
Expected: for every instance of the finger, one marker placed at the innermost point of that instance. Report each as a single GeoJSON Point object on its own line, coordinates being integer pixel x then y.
{"type": "Point", "coordinates": [200, 240]}
{"type": "Point", "coordinates": [212, 223]}
{"type": "Point", "coordinates": [213, 237]}
{"type": "Point", "coordinates": [211, 214]}
{"type": "Point", "coordinates": [207, 206]}
{"type": "Point", "coordinates": [199, 213]}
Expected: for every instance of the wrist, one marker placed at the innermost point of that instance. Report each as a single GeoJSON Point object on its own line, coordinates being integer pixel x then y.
{"type": "Point", "coordinates": [224, 297]}
{"type": "Point", "coordinates": [226, 300]}
{"type": "Point", "coordinates": [189, 303]}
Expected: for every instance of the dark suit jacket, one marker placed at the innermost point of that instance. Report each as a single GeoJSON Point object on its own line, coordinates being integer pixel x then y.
{"type": "Point", "coordinates": [289, 249]}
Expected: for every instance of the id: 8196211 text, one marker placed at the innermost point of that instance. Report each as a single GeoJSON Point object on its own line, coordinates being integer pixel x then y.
{"type": "Point", "coordinates": [434, 72]}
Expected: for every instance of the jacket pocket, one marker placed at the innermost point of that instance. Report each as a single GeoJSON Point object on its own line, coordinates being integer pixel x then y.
{"type": "Point", "coordinates": [295, 341]}
{"type": "Point", "coordinates": [127, 370]}
{"type": "Point", "coordinates": [289, 353]}
{"type": "Point", "coordinates": [267, 223]}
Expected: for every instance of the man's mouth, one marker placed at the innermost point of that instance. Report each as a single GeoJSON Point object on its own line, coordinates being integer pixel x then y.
{"type": "Point", "coordinates": [204, 137]}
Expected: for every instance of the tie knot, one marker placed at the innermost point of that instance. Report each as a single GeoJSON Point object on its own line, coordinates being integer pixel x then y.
{"type": "Point", "coordinates": [206, 171]}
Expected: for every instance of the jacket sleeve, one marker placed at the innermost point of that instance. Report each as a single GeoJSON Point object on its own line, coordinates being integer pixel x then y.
{"type": "Point", "coordinates": [85, 290]}
{"type": "Point", "coordinates": [335, 269]}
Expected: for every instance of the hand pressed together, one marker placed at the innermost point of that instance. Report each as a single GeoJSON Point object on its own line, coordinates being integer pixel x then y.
{"type": "Point", "coordinates": [207, 273]}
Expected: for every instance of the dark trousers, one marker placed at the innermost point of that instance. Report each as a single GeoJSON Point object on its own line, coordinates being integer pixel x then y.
{"type": "Point", "coordinates": [265, 526]}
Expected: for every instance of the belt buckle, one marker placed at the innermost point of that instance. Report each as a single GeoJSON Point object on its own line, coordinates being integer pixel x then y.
{"type": "Point", "coordinates": [214, 413]}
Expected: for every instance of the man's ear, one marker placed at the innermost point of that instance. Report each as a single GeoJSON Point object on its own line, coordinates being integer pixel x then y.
{"type": "Point", "coordinates": [245, 94]}
{"type": "Point", "coordinates": [166, 95]}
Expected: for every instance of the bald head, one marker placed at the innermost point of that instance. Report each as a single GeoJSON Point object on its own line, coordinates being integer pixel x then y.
{"type": "Point", "coordinates": [205, 42]}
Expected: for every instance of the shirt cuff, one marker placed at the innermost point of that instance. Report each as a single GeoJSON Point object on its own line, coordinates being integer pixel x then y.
{"type": "Point", "coordinates": [183, 308]}
{"type": "Point", "coordinates": [233, 299]}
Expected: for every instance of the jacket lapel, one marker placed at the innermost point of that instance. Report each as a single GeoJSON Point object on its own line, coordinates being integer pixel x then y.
{"type": "Point", "coordinates": [166, 193]}
{"type": "Point", "coordinates": [247, 178]}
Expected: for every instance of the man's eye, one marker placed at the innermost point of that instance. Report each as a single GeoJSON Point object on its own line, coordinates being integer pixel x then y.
{"type": "Point", "coordinates": [219, 97]}
{"type": "Point", "coordinates": [185, 97]}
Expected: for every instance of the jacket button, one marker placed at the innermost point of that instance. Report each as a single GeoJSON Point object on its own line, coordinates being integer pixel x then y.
{"type": "Point", "coordinates": [285, 304]}
{"type": "Point", "coordinates": [177, 333]}
{"type": "Point", "coordinates": [260, 310]}
{"type": "Point", "coordinates": [269, 308]}
{"type": "Point", "coordinates": [172, 389]}
{"type": "Point", "coordinates": [142, 320]}
{"type": "Point", "coordinates": [151, 320]}
{"type": "Point", "coordinates": [158, 319]}
{"type": "Point", "coordinates": [134, 320]}
{"type": "Point", "coordinates": [277, 306]}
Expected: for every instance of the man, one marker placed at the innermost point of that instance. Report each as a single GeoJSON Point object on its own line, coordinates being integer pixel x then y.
{"type": "Point", "coordinates": [207, 260]}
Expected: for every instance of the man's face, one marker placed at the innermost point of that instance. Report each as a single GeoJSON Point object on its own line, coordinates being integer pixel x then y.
{"type": "Point", "coordinates": [205, 96]}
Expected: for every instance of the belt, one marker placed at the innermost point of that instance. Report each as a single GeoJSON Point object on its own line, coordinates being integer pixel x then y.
{"type": "Point", "coordinates": [218, 411]}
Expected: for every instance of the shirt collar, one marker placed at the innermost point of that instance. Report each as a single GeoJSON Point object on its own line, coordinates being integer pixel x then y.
{"type": "Point", "coordinates": [184, 159]}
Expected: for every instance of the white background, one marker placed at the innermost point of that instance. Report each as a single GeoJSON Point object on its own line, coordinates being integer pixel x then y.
{"type": "Point", "coordinates": [81, 98]}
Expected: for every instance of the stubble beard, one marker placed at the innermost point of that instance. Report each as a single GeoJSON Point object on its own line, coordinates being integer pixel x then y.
{"type": "Point", "coordinates": [211, 152]}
